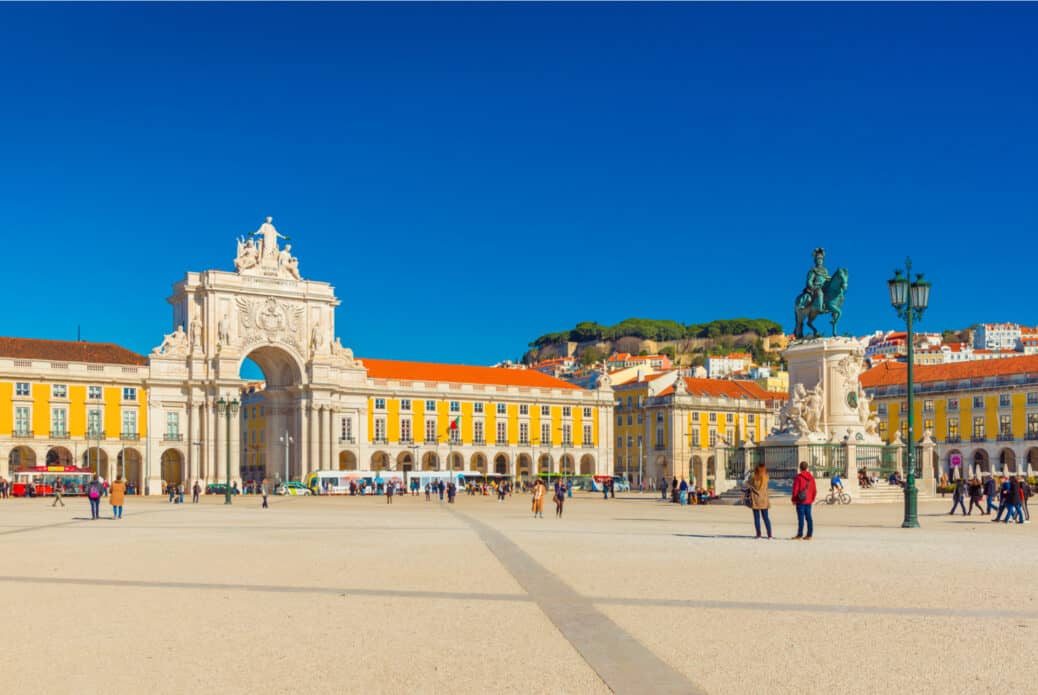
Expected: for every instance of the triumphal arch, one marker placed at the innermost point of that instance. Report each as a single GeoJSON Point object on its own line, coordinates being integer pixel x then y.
{"type": "Point", "coordinates": [264, 311]}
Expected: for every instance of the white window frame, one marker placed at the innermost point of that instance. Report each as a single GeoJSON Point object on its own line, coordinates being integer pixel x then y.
{"type": "Point", "coordinates": [477, 408]}
{"type": "Point", "coordinates": [380, 430]}
{"type": "Point", "coordinates": [59, 390]}
{"type": "Point", "coordinates": [405, 404]}
{"type": "Point", "coordinates": [524, 408]}
{"type": "Point", "coordinates": [430, 406]}
{"type": "Point", "coordinates": [380, 404]}
{"type": "Point", "coordinates": [59, 420]}
{"type": "Point", "coordinates": [22, 389]}
{"type": "Point", "coordinates": [129, 393]}
{"type": "Point", "coordinates": [406, 431]}
{"type": "Point", "coordinates": [454, 407]}
{"type": "Point", "coordinates": [430, 430]}
{"type": "Point", "coordinates": [22, 420]}
{"type": "Point", "coordinates": [478, 434]}
{"type": "Point", "coordinates": [128, 416]}
{"type": "Point", "coordinates": [545, 411]}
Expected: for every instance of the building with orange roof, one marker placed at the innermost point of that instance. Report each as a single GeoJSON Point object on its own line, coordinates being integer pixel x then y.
{"type": "Point", "coordinates": [622, 360]}
{"type": "Point", "coordinates": [983, 414]}
{"type": "Point", "coordinates": [669, 424]}
{"type": "Point", "coordinates": [721, 366]}
{"type": "Point", "coordinates": [318, 405]}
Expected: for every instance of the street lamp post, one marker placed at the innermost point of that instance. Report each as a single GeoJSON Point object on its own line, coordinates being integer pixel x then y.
{"type": "Point", "coordinates": [229, 409]}
{"type": "Point", "coordinates": [910, 299]}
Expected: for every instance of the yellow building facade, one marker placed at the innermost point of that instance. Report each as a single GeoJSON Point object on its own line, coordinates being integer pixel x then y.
{"type": "Point", "coordinates": [983, 415]}
{"type": "Point", "coordinates": [669, 426]}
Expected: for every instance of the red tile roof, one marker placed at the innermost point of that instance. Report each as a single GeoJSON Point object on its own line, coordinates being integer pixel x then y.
{"type": "Point", "coordinates": [68, 351]}
{"type": "Point", "coordinates": [462, 374]}
{"type": "Point", "coordinates": [894, 373]}
{"type": "Point", "coordinates": [729, 388]}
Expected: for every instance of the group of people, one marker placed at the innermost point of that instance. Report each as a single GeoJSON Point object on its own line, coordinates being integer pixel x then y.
{"type": "Point", "coordinates": [684, 492]}
{"type": "Point", "coordinates": [1008, 495]}
{"type": "Point", "coordinates": [803, 497]}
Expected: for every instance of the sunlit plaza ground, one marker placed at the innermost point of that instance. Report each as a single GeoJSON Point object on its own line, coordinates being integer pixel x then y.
{"type": "Point", "coordinates": [354, 595]}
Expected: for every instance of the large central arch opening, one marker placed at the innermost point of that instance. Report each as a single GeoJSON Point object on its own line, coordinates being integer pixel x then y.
{"type": "Point", "coordinates": [271, 420]}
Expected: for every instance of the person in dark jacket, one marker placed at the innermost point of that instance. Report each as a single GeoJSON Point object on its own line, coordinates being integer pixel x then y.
{"type": "Point", "coordinates": [976, 492]}
{"type": "Point", "coordinates": [958, 497]}
{"type": "Point", "coordinates": [1025, 494]}
{"type": "Point", "coordinates": [804, 493]}
{"type": "Point", "coordinates": [990, 491]}
{"type": "Point", "coordinates": [1014, 502]}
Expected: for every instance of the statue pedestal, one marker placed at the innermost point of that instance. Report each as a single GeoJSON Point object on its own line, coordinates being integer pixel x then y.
{"type": "Point", "coordinates": [833, 364]}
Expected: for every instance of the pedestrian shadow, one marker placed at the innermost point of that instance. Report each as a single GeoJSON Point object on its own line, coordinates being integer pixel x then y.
{"type": "Point", "coordinates": [715, 535]}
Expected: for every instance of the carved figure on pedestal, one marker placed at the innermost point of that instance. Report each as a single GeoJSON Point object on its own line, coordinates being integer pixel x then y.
{"type": "Point", "coordinates": [248, 255]}
{"type": "Point", "coordinates": [316, 338]}
{"type": "Point", "coordinates": [270, 236]}
{"type": "Point", "coordinates": [814, 404]}
{"type": "Point", "coordinates": [223, 331]}
{"type": "Point", "coordinates": [173, 344]}
{"type": "Point", "coordinates": [196, 333]}
{"type": "Point", "coordinates": [288, 262]}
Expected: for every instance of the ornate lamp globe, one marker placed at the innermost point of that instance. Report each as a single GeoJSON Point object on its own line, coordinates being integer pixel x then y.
{"type": "Point", "coordinates": [920, 292]}
{"type": "Point", "coordinates": [899, 289]}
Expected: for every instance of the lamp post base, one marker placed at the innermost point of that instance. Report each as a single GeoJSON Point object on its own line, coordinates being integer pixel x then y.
{"type": "Point", "coordinates": [911, 504]}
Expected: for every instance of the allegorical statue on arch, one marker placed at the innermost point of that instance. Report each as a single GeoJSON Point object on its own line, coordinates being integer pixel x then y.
{"type": "Point", "coordinates": [265, 257]}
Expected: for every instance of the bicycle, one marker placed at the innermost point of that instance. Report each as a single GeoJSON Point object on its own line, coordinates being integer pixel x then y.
{"type": "Point", "coordinates": [835, 498]}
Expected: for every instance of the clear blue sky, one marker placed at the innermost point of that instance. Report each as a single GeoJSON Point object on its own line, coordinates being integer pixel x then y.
{"type": "Point", "coordinates": [472, 176]}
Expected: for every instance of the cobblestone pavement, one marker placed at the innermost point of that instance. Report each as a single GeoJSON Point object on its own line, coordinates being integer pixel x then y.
{"type": "Point", "coordinates": [630, 595]}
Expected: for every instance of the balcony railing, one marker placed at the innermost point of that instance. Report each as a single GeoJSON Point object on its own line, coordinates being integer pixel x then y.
{"type": "Point", "coordinates": [953, 439]}
{"type": "Point", "coordinates": [431, 440]}
{"type": "Point", "coordinates": [380, 440]}
{"type": "Point", "coordinates": [406, 441]}
{"type": "Point", "coordinates": [96, 434]}
{"type": "Point", "coordinates": [59, 434]}
{"type": "Point", "coordinates": [567, 442]}
{"type": "Point", "coordinates": [347, 440]}
{"type": "Point", "coordinates": [173, 437]}
{"type": "Point", "coordinates": [546, 442]}
{"type": "Point", "coordinates": [588, 445]}
{"type": "Point", "coordinates": [978, 438]}
{"type": "Point", "coordinates": [22, 434]}
{"type": "Point", "coordinates": [501, 442]}
{"type": "Point", "coordinates": [659, 447]}
{"type": "Point", "coordinates": [1005, 436]}
{"type": "Point", "coordinates": [129, 436]}
{"type": "Point", "coordinates": [479, 442]}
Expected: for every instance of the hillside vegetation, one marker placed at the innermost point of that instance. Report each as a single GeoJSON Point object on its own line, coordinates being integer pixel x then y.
{"type": "Point", "coordinates": [686, 344]}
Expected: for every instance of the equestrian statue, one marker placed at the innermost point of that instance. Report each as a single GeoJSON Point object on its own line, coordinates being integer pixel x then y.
{"type": "Point", "coordinates": [823, 294]}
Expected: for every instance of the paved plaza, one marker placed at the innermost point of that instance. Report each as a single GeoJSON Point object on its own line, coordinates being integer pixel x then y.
{"type": "Point", "coordinates": [631, 595]}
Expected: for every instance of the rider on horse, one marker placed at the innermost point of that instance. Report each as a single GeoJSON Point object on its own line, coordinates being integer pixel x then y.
{"type": "Point", "coordinates": [816, 279]}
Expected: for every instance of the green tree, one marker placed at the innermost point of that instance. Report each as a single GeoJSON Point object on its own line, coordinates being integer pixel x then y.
{"type": "Point", "coordinates": [591, 355]}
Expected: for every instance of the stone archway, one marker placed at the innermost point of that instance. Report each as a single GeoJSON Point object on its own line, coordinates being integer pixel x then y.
{"type": "Point", "coordinates": [380, 461]}
{"type": "Point", "coordinates": [524, 463]}
{"type": "Point", "coordinates": [1007, 461]}
{"type": "Point", "coordinates": [171, 467]}
{"type": "Point", "coordinates": [129, 466]}
{"type": "Point", "coordinates": [566, 465]}
{"type": "Point", "coordinates": [430, 461]}
{"type": "Point", "coordinates": [347, 461]}
{"type": "Point", "coordinates": [501, 464]}
{"type": "Point", "coordinates": [1031, 461]}
{"type": "Point", "coordinates": [479, 463]}
{"type": "Point", "coordinates": [21, 457]}
{"type": "Point", "coordinates": [59, 456]}
{"type": "Point", "coordinates": [280, 400]}
{"type": "Point", "coordinates": [981, 463]}
{"type": "Point", "coordinates": [96, 459]}
{"type": "Point", "coordinates": [405, 461]}
{"type": "Point", "coordinates": [457, 461]}
{"type": "Point", "coordinates": [544, 464]}
{"type": "Point", "coordinates": [587, 464]}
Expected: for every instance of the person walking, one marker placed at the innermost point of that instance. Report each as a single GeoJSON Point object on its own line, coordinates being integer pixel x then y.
{"type": "Point", "coordinates": [117, 496]}
{"type": "Point", "coordinates": [1003, 494]}
{"type": "Point", "coordinates": [663, 487]}
{"type": "Point", "coordinates": [605, 489]}
{"type": "Point", "coordinates": [57, 494]}
{"type": "Point", "coordinates": [958, 497]}
{"type": "Point", "coordinates": [804, 493]}
{"type": "Point", "coordinates": [560, 498]}
{"type": "Point", "coordinates": [683, 493]}
{"type": "Point", "coordinates": [94, 495]}
{"type": "Point", "coordinates": [760, 503]}
{"type": "Point", "coordinates": [990, 490]}
{"type": "Point", "coordinates": [1014, 501]}
{"type": "Point", "coordinates": [265, 492]}
{"type": "Point", "coordinates": [1025, 494]}
{"type": "Point", "coordinates": [538, 499]}
{"type": "Point", "coordinates": [389, 492]}
{"type": "Point", "coordinates": [196, 490]}
{"type": "Point", "coordinates": [976, 493]}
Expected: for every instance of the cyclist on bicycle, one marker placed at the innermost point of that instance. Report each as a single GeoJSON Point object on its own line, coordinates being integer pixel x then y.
{"type": "Point", "coordinates": [836, 484]}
